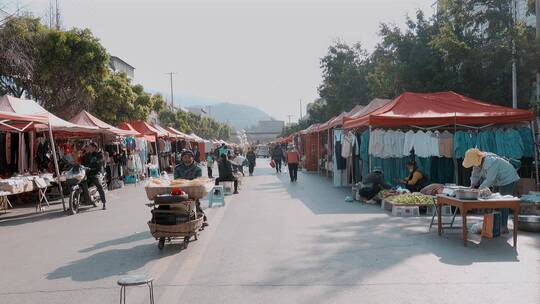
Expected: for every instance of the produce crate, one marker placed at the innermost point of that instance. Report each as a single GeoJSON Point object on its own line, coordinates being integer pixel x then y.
{"type": "Point", "coordinates": [405, 211]}
{"type": "Point", "coordinates": [386, 205]}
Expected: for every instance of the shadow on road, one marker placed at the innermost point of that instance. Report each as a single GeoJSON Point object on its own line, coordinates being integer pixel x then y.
{"type": "Point", "coordinates": [123, 240]}
{"type": "Point", "coordinates": [113, 262]}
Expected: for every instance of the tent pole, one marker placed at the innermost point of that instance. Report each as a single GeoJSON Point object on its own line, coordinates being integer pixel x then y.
{"type": "Point", "coordinates": [369, 159]}
{"type": "Point", "coordinates": [533, 131]}
{"type": "Point", "coordinates": [53, 145]}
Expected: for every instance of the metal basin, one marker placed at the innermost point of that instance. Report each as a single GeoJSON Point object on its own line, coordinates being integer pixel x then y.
{"type": "Point", "coordinates": [468, 194]}
{"type": "Point", "coordinates": [529, 223]}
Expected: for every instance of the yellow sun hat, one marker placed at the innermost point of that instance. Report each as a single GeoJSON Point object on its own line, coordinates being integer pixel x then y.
{"type": "Point", "coordinates": [473, 158]}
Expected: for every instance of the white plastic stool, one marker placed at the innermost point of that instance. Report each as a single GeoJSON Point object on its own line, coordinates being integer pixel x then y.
{"type": "Point", "coordinates": [228, 187]}
{"type": "Point", "coordinates": [136, 280]}
{"type": "Point", "coordinates": [217, 196]}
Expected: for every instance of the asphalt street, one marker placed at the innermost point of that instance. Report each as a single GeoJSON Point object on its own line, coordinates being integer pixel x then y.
{"type": "Point", "coordinates": [275, 242]}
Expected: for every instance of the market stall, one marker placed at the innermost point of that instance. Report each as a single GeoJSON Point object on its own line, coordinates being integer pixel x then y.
{"type": "Point", "coordinates": [151, 159]}
{"type": "Point", "coordinates": [121, 155]}
{"type": "Point", "coordinates": [436, 129]}
{"type": "Point", "coordinates": [19, 123]}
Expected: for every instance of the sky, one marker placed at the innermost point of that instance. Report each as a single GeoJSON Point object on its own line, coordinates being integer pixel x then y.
{"type": "Point", "coordinates": [258, 52]}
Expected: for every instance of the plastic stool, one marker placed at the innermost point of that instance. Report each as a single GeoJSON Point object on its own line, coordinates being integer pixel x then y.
{"type": "Point", "coordinates": [228, 187]}
{"type": "Point", "coordinates": [136, 280]}
{"type": "Point", "coordinates": [217, 195]}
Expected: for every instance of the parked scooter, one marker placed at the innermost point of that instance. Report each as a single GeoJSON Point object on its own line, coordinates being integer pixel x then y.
{"type": "Point", "coordinates": [74, 177]}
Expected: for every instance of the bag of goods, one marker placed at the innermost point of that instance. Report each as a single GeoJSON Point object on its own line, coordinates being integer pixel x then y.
{"type": "Point", "coordinates": [411, 199]}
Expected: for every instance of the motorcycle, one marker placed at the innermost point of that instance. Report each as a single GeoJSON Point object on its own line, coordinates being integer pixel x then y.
{"type": "Point", "coordinates": [73, 179]}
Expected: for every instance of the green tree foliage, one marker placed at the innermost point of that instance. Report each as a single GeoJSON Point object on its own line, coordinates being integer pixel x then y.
{"type": "Point", "coordinates": [344, 78]}
{"type": "Point", "coordinates": [72, 64]}
{"type": "Point", "coordinates": [19, 39]}
{"type": "Point", "coordinates": [466, 47]}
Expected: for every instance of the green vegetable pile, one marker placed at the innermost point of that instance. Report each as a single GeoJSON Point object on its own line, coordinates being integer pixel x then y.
{"type": "Point", "coordinates": [411, 199]}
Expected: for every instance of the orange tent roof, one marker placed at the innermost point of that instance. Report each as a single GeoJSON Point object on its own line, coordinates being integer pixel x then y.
{"type": "Point", "coordinates": [86, 119]}
{"type": "Point", "coordinates": [128, 126]}
{"type": "Point", "coordinates": [442, 108]}
{"type": "Point", "coordinates": [178, 133]}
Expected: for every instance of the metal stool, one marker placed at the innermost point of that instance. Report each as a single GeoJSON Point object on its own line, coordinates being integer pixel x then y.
{"type": "Point", "coordinates": [217, 195]}
{"type": "Point", "coordinates": [136, 280]}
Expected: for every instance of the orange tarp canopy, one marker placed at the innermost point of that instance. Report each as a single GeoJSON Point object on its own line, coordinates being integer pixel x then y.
{"type": "Point", "coordinates": [86, 119]}
{"type": "Point", "coordinates": [129, 126]}
{"type": "Point", "coordinates": [442, 108]}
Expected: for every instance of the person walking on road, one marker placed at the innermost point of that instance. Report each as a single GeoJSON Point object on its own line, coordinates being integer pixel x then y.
{"type": "Point", "coordinates": [252, 159]}
{"type": "Point", "coordinates": [293, 159]}
{"type": "Point", "coordinates": [209, 164]}
{"type": "Point", "coordinates": [277, 157]}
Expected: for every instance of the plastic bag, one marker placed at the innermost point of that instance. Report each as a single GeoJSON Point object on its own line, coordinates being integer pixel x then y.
{"type": "Point", "coordinates": [272, 163]}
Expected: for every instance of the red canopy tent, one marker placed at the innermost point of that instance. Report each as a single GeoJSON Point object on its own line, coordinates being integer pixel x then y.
{"type": "Point", "coordinates": [86, 119]}
{"type": "Point", "coordinates": [178, 134]}
{"type": "Point", "coordinates": [151, 137]}
{"type": "Point", "coordinates": [443, 108]}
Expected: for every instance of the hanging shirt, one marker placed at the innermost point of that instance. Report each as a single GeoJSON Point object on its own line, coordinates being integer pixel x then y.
{"type": "Point", "coordinates": [408, 142]}
{"type": "Point", "coordinates": [446, 144]}
{"type": "Point", "coordinates": [346, 147]}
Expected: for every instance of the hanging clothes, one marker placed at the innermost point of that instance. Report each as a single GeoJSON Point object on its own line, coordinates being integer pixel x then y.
{"type": "Point", "coordinates": [463, 141]}
{"type": "Point", "coordinates": [486, 141]}
{"type": "Point", "coordinates": [376, 143]}
{"type": "Point", "coordinates": [364, 152]}
{"type": "Point", "coordinates": [341, 162]}
{"type": "Point", "coordinates": [446, 144]}
{"type": "Point", "coordinates": [528, 141]}
{"type": "Point", "coordinates": [408, 142]}
{"type": "Point", "coordinates": [346, 146]}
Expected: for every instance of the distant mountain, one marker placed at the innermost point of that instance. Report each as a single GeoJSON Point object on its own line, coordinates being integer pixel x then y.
{"type": "Point", "coordinates": [238, 116]}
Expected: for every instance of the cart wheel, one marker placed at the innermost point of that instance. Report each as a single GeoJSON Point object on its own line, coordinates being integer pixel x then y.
{"type": "Point", "coordinates": [186, 242]}
{"type": "Point", "coordinates": [196, 236]}
{"type": "Point", "coordinates": [161, 243]}
{"type": "Point", "coordinates": [169, 240]}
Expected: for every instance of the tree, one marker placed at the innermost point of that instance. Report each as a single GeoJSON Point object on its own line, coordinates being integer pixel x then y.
{"type": "Point", "coordinates": [345, 84]}
{"type": "Point", "coordinates": [19, 39]}
{"type": "Point", "coordinates": [116, 101]}
{"type": "Point", "coordinates": [72, 64]}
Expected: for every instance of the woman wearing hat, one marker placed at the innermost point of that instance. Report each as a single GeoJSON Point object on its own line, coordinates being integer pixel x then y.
{"type": "Point", "coordinates": [490, 170]}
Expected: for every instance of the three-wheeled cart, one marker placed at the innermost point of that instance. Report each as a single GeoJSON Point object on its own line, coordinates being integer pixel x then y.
{"type": "Point", "coordinates": [175, 219]}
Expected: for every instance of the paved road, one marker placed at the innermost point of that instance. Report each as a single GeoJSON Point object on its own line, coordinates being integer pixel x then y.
{"type": "Point", "coordinates": [275, 242]}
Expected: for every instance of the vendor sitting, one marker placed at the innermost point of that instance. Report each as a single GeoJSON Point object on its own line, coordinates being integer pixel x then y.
{"type": "Point", "coordinates": [188, 169]}
{"type": "Point", "coordinates": [372, 184]}
{"type": "Point", "coordinates": [416, 179]}
{"type": "Point", "coordinates": [491, 170]}
{"type": "Point", "coordinates": [226, 172]}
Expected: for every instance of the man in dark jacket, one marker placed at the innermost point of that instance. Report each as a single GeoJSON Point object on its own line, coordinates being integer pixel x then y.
{"type": "Point", "coordinates": [372, 184]}
{"type": "Point", "coordinates": [277, 157]}
{"type": "Point", "coordinates": [252, 159]}
{"type": "Point", "coordinates": [93, 159]}
{"type": "Point", "coordinates": [187, 169]}
{"type": "Point", "coordinates": [226, 172]}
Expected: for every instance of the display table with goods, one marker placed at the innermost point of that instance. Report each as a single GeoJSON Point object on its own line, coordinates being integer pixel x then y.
{"type": "Point", "coordinates": [465, 205]}
{"type": "Point", "coordinates": [25, 183]}
{"type": "Point", "coordinates": [174, 209]}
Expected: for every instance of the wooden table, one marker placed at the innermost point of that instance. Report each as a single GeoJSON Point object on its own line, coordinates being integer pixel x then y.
{"type": "Point", "coordinates": [466, 205]}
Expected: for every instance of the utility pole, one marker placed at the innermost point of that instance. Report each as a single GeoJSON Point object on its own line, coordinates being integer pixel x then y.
{"type": "Point", "coordinates": [289, 119]}
{"type": "Point", "coordinates": [301, 106]}
{"type": "Point", "coordinates": [172, 96]}
{"type": "Point", "coordinates": [57, 15]}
